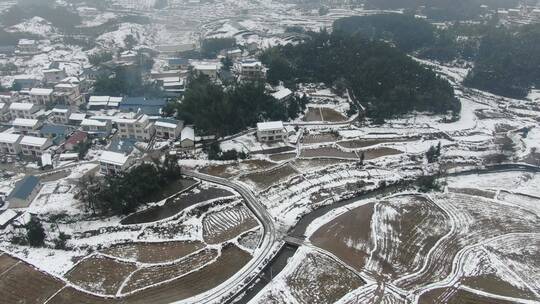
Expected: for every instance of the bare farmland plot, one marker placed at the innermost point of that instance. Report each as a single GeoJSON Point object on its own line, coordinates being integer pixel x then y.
{"type": "Point", "coordinates": [24, 284]}
{"type": "Point", "coordinates": [474, 192]}
{"type": "Point", "coordinates": [154, 252]}
{"type": "Point", "coordinates": [374, 294]}
{"type": "Point", "coordinates": [319, 279]}
{"type": "Point", "coordinates": [332, 115]}
{"type": "Point", "coordinates": [227, 223]}
{"type": "Point", "coordinates": [229, 262]}
{"type": "Point", "coordinates": [319, 138]}
{"type": "Point", "coordinates": [174, 206]}
{"type": "Point", "coordinates": [364, 143]}
{"type": "Point", "coordinates": [484, 272]}
{"type": "Point", "coordinates": [282, 156]}
{"type": "Point", "coordinates": [406, 228]}
{"type": "Point", "coordinates": [263, 180]}
{"type": "Point", "coordinates": [308, 165]}
{"type": "Point", "coordinates": [230, 170]}
{"type": "Point", "coordinates": [476, 219]}
{"type": "Point", "coordinates": [348, 236]}
{"type": "Point", "coordinates": [70, 295]}
{"type": "Point", "coordinates": [6, 262]}
{"type": "Point", "coordinates": [250, 239]}
{"type": "Point", "coordinates": [452, 295]}
{"type": "Point", "coordinates": [312, 114]}
{"type": "Point", "coordinates": [327, 152]}
{"type": "Point", "coordinates": [100, 274]}
{"type": "Point", "coordinates": [157, 274]}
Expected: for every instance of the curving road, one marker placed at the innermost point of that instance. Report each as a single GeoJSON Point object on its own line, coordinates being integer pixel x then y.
{"type": "Point", "coordinates": [262, 255]}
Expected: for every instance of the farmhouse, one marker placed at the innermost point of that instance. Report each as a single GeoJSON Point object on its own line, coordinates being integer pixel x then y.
{"type": "Point", "coordinates": [111, 163]}
{"type": "Point", "coordinates": [67, 94]}
{"type": "Point", "coordinates": [208, 68]}
{"type": "Point", "coordinates": [24, 193]}
{"type": "Point", "coordinates": [187, 137]}
{"type": "Point", "coordinates": [27, 46]}
{"type": "Point", "coordinates": [283, 95]}
{"type": "Point", "coordinates": [251, 70]}
{"type": "Point", "coordinates": [6, 217]}
{"type": "Point", "coordinates": [53, 76]}
{"type": "Point", "coordinates": [271, 131]}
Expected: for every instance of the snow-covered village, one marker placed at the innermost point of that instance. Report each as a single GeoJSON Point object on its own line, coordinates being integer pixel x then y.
{"type": "Point", "coordinates": [269, 151]}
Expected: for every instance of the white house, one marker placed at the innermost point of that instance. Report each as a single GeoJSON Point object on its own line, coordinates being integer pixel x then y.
{"type": "Point", "coordinates": [96, 127]}
{"type": "Point", "coordinates": [187, 137]}
{"type": "Point", "coordinates": [9, 143]}
{"type": "Point", "coordinates": [139, 127]}
{"type": "Point", "coordinates": [4, 112]}
{"type": "Point", "coordinates": [168, 128]}
{"type": "Point", "coordinates": [60, 115]}
{"type": "Point", "coordinates": [251, 70]}
{"type": "Point", "coordinates": [271, 131]}
{"type": "Point", "coordinates": [23, 110]}
{"type": "Point", "coordinates": [53, 76]}
{"type": "Point", "coordinates": [76, 118]}
{"type": "Point", "coordinates": [111, 163]}
{"type": "Point", "coordinates": [68, 94]}
{"type": "Point", "coordinates": [208, 68]}
{"type": "Point", "coordinates": [283, 95]}
{"type": "Point", "coordinates": [41, 97]}
{"type": "Point", "coordinates": [34, 146]}
{"type": "Point", "coordinates": [26, 126]}
{"type": "Point", "coordinates": [27, 46]}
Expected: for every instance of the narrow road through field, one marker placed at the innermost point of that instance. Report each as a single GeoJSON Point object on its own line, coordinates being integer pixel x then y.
{"type": "Point", "coordinates": [262, 254]}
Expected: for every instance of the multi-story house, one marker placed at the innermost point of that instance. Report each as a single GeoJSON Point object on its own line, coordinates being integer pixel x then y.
{"type": "Point", "coordinates": [41, 97]}
{"type": "Point", "coordinates": [113, 163]}
{"type": "Point", "coordinates": [23, 110]}
{"type": "Point", "coordinates": [9, 143]}
{"type": "Point", "coordinates": [168, 128]}
{"type": "Point", "coordinates": [139, 127]}
{"type": "Point", "coordinates": [68, 94]}
{"type": "Point", "coordinates": [96, 127]}
{"type": "Point", "coordinates": [271, 131]}
{"type": "Point", "coordinates": [60, 114]}
{"type": "Point", "coordinates": [26, 126]}
{"type": "Point", "coordinates": [34, 146]}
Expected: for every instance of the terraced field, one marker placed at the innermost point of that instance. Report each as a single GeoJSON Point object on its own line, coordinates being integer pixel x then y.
{"type": "Point", "coordinates": [226, 224]}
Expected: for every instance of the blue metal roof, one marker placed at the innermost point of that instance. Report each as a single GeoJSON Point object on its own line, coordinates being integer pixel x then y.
{"type": "Point", "coordinates": [178, 61]}
{"type": "Point", "coordinates": [122, 145]}
{"type": "Point", "coordinates": [24, 188]}
{"type": "Point", "coordinates": [149, 106]}
{"type": "Point", "coordinates": [49, 129]}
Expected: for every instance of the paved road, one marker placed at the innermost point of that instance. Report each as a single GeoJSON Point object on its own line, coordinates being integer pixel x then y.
{"type": "Point", "coordinates": [263, 254]}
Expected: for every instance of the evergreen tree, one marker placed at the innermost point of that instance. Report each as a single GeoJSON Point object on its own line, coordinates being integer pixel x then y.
{"type": "Point", "coordinates": [35, 233]}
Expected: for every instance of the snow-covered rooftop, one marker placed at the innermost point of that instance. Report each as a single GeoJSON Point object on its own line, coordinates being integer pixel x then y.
{"type": "Point", "coordinates": [33, 141]}
{"type": "Point", "coordinates": [187, 133]}
{"type": "Point", "coordinates": [93, 122]}
{"type": "Point", "coordinates": [41, 92]}
{"type": "Point", "coordinates": [20, 106]}
{"type": "Point", "coordinates": [7, 216]}
{"type": "Point", "coordinates": [282, 94]}
{"type": "Point", "coordinates": [113, 158]}
{"type": "Point", "coordinates": [77, 116]}
{"type": "Point", "coordinates": [270, 126]}
{"type": "Point", "coordinates": [9, 138]}
{"type": "Point", "coordinates": [25, 122]}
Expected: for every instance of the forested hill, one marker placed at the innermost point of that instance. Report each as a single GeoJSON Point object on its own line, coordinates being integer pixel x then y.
{"type": "Point", "coordinates": [508, 61]}
{"type": "Point", "coordinates": [382, 77]}
{"type": "Point", "coordinates": [405, 31]}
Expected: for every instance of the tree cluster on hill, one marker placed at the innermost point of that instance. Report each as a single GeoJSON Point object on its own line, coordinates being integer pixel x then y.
{"type": "Point", "coordinates": [507, 62]}
{"type": "Point", "coordinates": [124, 193]}
{"type": "Point", "coordinates": [59, 16]}
{"type": "Point", "coordinates": [215, 153]}
{"type": "Point", "coordinates": [99, 58]}
{"type": "Point", "coordinates": [211, 47]}
{"type": "Point", "coordinates": [223, 111]}
{"type": "Point", "coordinates": [383, 78]}
{"type": "Point", "coordinates": [442, 10]}
{"type": "Point", "coordinates": [126, 81]}
{"type": "Point", "coordinates": [405, 31]}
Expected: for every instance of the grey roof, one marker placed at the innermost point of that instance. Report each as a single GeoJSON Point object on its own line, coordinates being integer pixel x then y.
{"type": "Point", "coordinates": [24, 187]}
